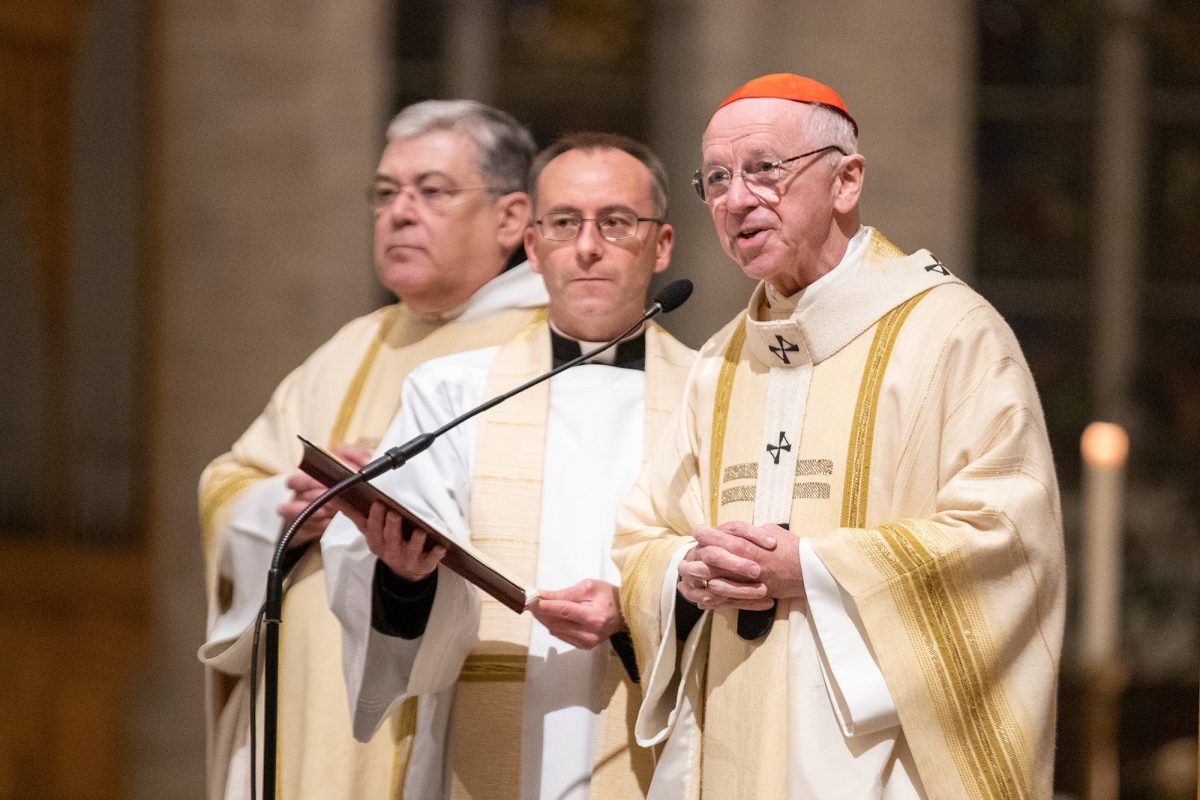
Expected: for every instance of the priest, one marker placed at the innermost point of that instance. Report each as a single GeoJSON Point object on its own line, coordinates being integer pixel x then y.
{"type": "Point", "coordinates": [450, 210]}
{"type": "Point", "coordinates": [534, 705]}
{"type": "Point", "coordinates": [843, 569]}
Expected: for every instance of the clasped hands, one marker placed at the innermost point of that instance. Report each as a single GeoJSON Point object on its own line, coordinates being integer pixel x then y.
{"type": "Point", "coordinates": [743, 566]}
{"type": "Point", "coordinates": [582, 615]}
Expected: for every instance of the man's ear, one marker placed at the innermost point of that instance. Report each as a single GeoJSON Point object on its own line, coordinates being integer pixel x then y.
{"type": "Point", "coordinates": [512, 219]}
{"type": "Point", "coordinates": [663, 246]}
{"type": "Point", "coordinates": [849, 182]}
{"type": "Point", "coordinates": [531, 248]}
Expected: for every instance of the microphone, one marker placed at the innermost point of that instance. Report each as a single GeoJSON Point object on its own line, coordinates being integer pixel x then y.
{"type": "Point", "coordinates": [669, 298]}
{"type": "Point", "coordinates": [673, 295]}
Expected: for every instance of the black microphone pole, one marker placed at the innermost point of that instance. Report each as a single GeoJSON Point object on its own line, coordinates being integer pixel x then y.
{"type": "Point", "coordinates": [669, 298]}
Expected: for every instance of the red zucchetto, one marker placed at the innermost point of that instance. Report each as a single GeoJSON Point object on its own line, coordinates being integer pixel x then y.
{"type": "Point", "coordinates": [786, 86]}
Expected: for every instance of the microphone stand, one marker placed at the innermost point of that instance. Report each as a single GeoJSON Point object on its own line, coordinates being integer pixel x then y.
{"type": "Point", "coordinates": [668, 299]}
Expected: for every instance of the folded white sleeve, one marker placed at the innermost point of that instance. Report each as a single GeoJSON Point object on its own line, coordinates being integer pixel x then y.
{"type": "Point", "coordinates": [856, 686]}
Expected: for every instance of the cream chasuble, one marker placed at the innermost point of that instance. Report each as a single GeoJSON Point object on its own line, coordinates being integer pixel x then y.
{"type": "Point", "coordinates": [345, 393]}
{"type": "Point", "coordinates": [893, 423]}
{"type": "Point", "coordinates": [524, 717]}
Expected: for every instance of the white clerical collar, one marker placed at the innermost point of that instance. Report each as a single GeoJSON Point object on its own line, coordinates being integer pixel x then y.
{"type": "Point", "coordinates": [519, 287]}
{"type": "Point", "coordinates": [608, 357]}
{"type": "Point", "coordinates": [781, 306]}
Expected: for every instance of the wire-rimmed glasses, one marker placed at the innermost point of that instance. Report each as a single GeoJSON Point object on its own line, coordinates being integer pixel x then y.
{"type": "Point", "coordinates": [712, 182]}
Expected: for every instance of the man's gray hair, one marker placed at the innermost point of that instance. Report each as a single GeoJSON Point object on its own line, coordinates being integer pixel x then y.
{"type": "Point", "coordinates": [827, 126]}
{"type": "Point", "coordinates": [505, 148]}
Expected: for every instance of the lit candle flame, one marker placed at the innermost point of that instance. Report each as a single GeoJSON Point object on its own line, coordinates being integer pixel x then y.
{"type": "Point", "coordinates": [1104, 445]}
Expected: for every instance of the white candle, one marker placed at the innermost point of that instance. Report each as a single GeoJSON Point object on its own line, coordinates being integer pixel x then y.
{"type": "Point", "coordinates": [1104, 446]}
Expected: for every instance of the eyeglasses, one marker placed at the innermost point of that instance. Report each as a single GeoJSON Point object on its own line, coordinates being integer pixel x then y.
{"type": "Point", "coordinates": [433, 196]}
{"type": "Point", "coordinates": [711, 183]}
{"type": "Point", "coordinates": [613, 225]}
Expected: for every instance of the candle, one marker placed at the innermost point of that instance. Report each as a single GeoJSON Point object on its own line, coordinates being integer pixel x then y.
{"type": "Point", "coordinates": [1104, 446]}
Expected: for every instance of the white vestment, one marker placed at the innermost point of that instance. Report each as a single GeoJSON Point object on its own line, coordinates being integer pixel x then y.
{"type": "Point", "coordinates": [832, 670]}
{"type": "Point", "coordinates": [594, 451]}
{"type": "Point", "coordinates": [890, 418]}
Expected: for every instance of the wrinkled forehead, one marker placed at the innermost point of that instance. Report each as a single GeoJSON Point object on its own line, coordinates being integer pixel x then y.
{"type": "Point", "coordinates": [754, 126]}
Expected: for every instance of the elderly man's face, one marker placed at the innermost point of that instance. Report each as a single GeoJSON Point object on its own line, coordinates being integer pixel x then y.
{"type": "Point", "coordinates": [777, 234]}
{"type": "Point", "coordinates": [434, 244]}
{"type": "Point", "coordinates": [597, 287]}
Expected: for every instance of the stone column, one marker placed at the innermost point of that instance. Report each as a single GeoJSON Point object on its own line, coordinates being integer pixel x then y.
{"type": "Point", "coordinates": [268, 122]}
{"type": "Point", "coordinates": [473, 49]}
{"type": "Point", "coordinates": [1119, 206]}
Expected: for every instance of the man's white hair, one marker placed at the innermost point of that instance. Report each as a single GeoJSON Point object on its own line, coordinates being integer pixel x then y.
{"type": "Point", "coordinates": [827, 126]}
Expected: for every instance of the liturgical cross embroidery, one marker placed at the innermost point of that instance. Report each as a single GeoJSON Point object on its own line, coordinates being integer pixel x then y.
{"type": "Point", "coordinates": [937, 266]}
{"type": "Point", "coordinates": [782, 350]}
{"type": "Point", "coordinates": [777, 450]}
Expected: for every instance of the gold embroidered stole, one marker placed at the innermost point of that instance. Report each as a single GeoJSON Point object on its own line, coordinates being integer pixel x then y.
{"type": "Point", "coordinates": [748, 679]}
{"type": "Point", "coordinates": [506, 505]}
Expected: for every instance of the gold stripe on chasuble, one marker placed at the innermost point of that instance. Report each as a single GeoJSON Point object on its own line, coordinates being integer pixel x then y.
{"type": "Point", "coordinates": [883, 247]}
{"type": "Point", "coordinates": [862, 426]}
{"type": "Point", "coordinates": [802, 490]}
{"type": "Point", "coordinates": [219, 492]}
{"type": "Point", "coordinates": [498, 668]}
{"type": "Point", "coordinates": [738, 494]}
{"type": "Point", "coordinates": [406, 730]}
{"type": "Point", "coordinates": [806, 490]}
{"type": "Point", "coordinates": [733, 351]}
{"type": "Point", "coordinates": [943, 620]}
{"type": "Point", "coordinates": [805, 466]}
{"type": "Point", "coordinates": [952, 647]}
{"type": "Point", "coordinates": [341, 423]}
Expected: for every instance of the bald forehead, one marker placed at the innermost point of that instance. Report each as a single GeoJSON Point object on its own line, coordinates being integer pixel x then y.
{"type": "Point", "coordinates": [601, 170]}
{"type": "Point", "coordinates": [765, 121]}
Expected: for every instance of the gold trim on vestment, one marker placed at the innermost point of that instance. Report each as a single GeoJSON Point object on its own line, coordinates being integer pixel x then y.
{"type": "Point", "coordinates": [810, 490]}
{"type": "Point", "coordinates": [733, 352]}
{"type": "Point", "coordinates": [220, 491]}
{"type": "Point", "coordinates": [749, 470]}
{"type": "Point", "coordinates": [807, 490]}
{"type": "Point", "coordinates": [406, 731]}
{"type": "Point", "coordinates": [739, 472]}
{"type": "Point", "coordinates": [341, 423]}
{"type": "Point", "coordinates": [882, 246]}
{"type": "Point", "coordinates": [500, 668]}
{"type": "Point", "coordinates": [738, 494]}
{"type": "Point", "coordinates": [862, 427]}
{"type": "Point", "coordinates": [944, 620]}
{"type": "Point", "coordinates": [952, 644]}
{"type": "Point", "coordinates": [814, 466]}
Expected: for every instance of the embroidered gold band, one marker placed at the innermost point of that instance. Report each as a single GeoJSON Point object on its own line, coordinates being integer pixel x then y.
{"type": "Point", "coordinates": [808, 490]}
{"type": "Point", "coordinates": [493, 668]}
{"type": "Point", "coordinates": [862, 428]}
{"type": "Point", "coordinates": [805, 466]}
{"type": "Point", "coordinates": [733, 352]}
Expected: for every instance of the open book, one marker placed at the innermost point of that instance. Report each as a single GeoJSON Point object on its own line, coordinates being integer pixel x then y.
{"type": "Point", "coordinates": [468, 562]}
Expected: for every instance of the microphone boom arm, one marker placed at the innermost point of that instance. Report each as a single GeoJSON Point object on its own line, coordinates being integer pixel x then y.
{"type": "Point", "coordinates": [668, 299]}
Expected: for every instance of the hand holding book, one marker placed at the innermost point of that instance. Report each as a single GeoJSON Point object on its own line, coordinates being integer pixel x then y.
{"type": "Point", "coordinates": [463, 559]}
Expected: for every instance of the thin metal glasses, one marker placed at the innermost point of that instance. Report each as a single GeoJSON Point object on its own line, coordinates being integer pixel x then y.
{"type": "Point", "coordinates": [433, 195]}
{"type": "Point", "coordinates": [613, 225]}
{"type": "Point", "coordinates": [713, 182]}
